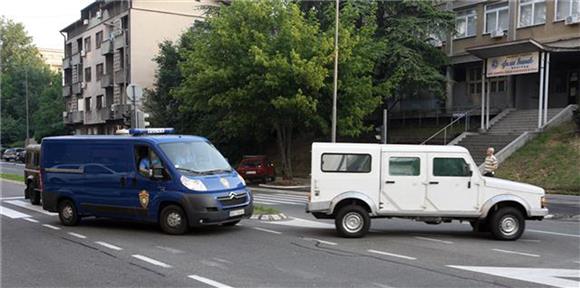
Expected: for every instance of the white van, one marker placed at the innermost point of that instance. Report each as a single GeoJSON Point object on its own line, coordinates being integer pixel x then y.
{"type": "Point", "coordinates": [352, 183]}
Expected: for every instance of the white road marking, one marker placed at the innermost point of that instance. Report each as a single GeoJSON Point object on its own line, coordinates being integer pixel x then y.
{"type": "Point", "coordinates": [515, 252]}
{"type": "Point", "coordinates": [433, 239]}
{"type": "Point", "coordinates": [10, 198]}
{"type": "Point", "coordinates": [12, 213]}
{"type": "Point", "coordinates": [51, 227]}
{"type": "Point", "coordinates": [222, 260]}
{"type": "Point", "coordinates": [552, 277]}
{"type": "Point", "coordinates": [209, 281]}
{"type": "Point", "coordinates": [553, 233]}
{"type": "Point", "coordinates": [391, 254]}
{"type": "Point", "coordinates": [77, 235]}
{"type": "Point", "coordinates": [170, 250]}
{"type": "Point", "coordinates": [27, 205]}
{"type": "Point", "coordinates": [110, 246]}
{"type": "Point", "coordinates": [278, 201]}
{"type": "Point", "coordinates": [267, 230]}
{"type": "Point", "coordinates": [530, 240]}
{"type": "Point", "coordinates": [151, 261]}
{"type": "Point", "coordinates": [31, 220]}
{"type": "Point", "coordinates": [320, 241]}
{"type": "Point", "coordinates": [577, 262]}
{"type": "Point", "coordinates": [303, 223]}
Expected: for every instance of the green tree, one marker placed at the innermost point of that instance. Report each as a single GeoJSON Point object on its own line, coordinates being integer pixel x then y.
{"type": "Point", "coordinates": [21, 64]}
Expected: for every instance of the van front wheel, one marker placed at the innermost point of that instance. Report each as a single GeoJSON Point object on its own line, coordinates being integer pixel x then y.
{"type": "Point", "coordinates": [173, 220]}
{"type": "Point", "coordinates": [352, 221]}
{"type": "Point", "coordinates": [67, 213]}
{"type": "Point", "coordinates": [507, 223]}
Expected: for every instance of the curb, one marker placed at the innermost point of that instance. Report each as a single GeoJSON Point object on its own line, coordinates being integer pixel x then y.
{"type": "Point", "coordinates": [269, 217]}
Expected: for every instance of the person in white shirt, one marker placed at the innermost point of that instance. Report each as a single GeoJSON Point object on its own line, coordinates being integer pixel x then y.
{"type": "Point", "coordinates": [490, 163]}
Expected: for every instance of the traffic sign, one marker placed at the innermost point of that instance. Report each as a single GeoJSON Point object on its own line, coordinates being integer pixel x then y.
{"type": "Point", "coordinates": [134, 91]}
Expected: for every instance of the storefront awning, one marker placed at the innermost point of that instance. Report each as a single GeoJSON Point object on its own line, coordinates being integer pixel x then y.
{"type": "Point", "coordinates": [516, 47]}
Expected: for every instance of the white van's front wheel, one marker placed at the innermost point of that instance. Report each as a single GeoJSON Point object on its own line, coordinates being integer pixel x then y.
{"type": "Point", "coordinates": [507, 223]}
{"type": "Point", "coordinates": [352, 221]}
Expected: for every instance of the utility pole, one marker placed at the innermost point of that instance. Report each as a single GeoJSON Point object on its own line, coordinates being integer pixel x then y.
{"type": "Point", "coordinates": [27, 120]}
{"type": "Point", "coordinates": [334, 94]}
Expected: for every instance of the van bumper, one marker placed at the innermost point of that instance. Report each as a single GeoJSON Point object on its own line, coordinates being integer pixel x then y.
{"type": "Point", "coordinates": [318, 207]}
{"type": "Point", "coordinates": [49, 201]}
{"type": "Point", "coordinates": [203, 210]}
{"type": "Point", "coordinates": [538, 213]}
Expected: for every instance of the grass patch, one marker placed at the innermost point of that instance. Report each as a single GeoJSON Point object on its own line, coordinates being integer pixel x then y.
{"type": "Point", "coordinates": [551, 161]}
{"type": "Point", "coordinates": [259, 209]}
{"type": "Point", "coordinates": [12, 177]}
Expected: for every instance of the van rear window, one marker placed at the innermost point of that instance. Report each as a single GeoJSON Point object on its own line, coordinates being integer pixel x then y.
{"type": "Point", "coordinates": [346, 163]}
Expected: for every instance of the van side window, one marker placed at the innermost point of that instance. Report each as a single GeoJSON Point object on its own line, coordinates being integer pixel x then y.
{"type": "Point", "coordinates": [147, 160]}
{"type": "Point", "coordinates": [404, 166]}
{"type": "Point", "coordinates": [450, 167]}
{"type": "Point", "coordinates": [349, 163]}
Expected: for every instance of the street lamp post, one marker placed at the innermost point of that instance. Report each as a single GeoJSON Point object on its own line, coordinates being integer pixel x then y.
{"type": "Point", "coordinates": [27, 118]}
{"type": "Point", "coordinates": [334, 94]}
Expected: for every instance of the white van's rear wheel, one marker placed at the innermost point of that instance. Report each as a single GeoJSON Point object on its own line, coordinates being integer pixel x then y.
{"type": "Point", "coordinates": [507, 223]}
{"type": "Point", "coordinates": [352, 221]}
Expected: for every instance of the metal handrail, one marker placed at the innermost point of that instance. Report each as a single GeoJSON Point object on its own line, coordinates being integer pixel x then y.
{"type": "Point", "coordinates": [444, 129]}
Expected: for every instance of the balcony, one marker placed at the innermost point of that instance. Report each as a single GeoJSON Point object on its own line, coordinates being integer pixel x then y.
{"type": "Point", "coordinates": [120, 41]}
{"type": "Point", "coordinates": [76, 59]}
{"type": "Point", "coordinates": [66, 90]}
{"type": "Point", "coordinates": [105, 114]}
{"type": "Point", "coordinates": [107, 81]}
{"type": "Point", "coordinates": [107, 47]}
{"type": "Point", "coordinates": [120, 76]}
{"type": "Point", "coordinates": [66, 63]}
{"type": "Point", "coordinates": [77, 88]}
{"type": "Point", "coordinates": [119, 110]}
{"type": "Point", "coordinates": [74, 117]}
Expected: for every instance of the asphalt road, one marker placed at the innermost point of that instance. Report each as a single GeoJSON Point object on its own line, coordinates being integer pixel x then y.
{"type": "Point", "coordinates": [16, 168]}
{"type": "Point", "coordinates": [300, 252]}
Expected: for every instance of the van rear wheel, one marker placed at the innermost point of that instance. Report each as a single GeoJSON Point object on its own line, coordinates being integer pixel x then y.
{"type": "Point", "coordinates": [507, 224]}
{"type": "Point", "coordinates": [173, 220]}
{"type": "Point", "coordinates": [352, 221]}
{"type": "Point", "coordinates": [67, 213]}
{"type": "Point", "coordinates": [33, 194]}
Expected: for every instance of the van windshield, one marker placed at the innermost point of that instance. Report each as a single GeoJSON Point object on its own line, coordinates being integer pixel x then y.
{"type": "Point", "coordinates": [196, 158]}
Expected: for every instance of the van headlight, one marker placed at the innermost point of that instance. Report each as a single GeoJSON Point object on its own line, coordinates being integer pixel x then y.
{"type": "Point", "coordinates": [193, 184]}
{"type": "Point", "coordinates": [242, 179]}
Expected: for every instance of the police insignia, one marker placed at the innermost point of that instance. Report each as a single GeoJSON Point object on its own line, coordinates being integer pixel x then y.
{"type": "Point", "coordinates": [144, 198]}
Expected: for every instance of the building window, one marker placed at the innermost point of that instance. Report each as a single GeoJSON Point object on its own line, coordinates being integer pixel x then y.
{"type": "Point", "coordinates": [474, 81]}
{"type": "Point", "coordinates": [465, 22]}
{"type": "Point", "coordinates": [496, 17]}
{"type": "Point", "coordinates": [565, 8]}
{"type": "Point", "coordinates": [99, 102]}
{"type": "Point", "coordinates": [88, 74]}
{"type": "Point", "coordinates": [532, 12]}
{"type": "Point", "coordinates": [99, 71]}
{"type": "Point", "coordinates": [349, 163]}
{"type": "Point", "coordinates": [88, 44]}
{"type": "Point", "coordinates": [98, 39]}
{"type": "Point", "coordinates": [88, 104]}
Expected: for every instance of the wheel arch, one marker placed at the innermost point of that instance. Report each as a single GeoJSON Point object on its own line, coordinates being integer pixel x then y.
{"type": "Point", "coordinates": [353, 197]}
{"type": "Point", "coordinates": [500, 201]}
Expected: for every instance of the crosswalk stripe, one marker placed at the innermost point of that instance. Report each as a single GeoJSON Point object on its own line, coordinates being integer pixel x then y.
{"type": "Point", "coordinates": [12, 213]}
{"type": "Point", "coordinates": [27, 205]}
{"type": "Point", "coordinates": [284, 196]}
{"type": "Point", "coordinates": [280, 198]}
{"type": "Point", "coordinates": [265, 203]}
{"type": "Point", "coordinates": [278, 201]}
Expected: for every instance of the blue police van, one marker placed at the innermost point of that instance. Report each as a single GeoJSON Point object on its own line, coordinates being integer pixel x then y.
{"type": "Point", "coordinates": [177, 181]}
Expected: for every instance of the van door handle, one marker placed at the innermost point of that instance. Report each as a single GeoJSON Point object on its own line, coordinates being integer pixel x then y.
{"type": "Point", "coordinates": [389, 182]}
{"type": "Point", "coordinates": [433, 182]}
{"type": "Point", "coordinates": [123, 181]}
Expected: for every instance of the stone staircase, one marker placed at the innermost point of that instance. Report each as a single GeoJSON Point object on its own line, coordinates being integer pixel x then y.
{"type": "Point", "coordinates": [503, 132]}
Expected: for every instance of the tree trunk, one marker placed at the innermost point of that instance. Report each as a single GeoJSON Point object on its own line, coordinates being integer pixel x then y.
{"type": "Point", "coordinates": [284, 137]}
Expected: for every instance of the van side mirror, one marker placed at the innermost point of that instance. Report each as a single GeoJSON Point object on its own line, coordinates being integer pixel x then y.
{"type": "Point", "coordinates": [470, 173]}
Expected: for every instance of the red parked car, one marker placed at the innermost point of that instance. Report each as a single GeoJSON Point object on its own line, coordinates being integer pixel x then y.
{"type": "Point", "coordinates": [257, 167]}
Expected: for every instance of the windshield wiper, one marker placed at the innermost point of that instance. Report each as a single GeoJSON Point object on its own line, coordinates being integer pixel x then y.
{"type": "Point", "coordinates": [189, 171]}
{"type": "Point", "coordinates": [217, 171]}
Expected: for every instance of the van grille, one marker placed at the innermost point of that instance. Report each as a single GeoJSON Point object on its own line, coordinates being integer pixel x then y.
{"type": "Point", "coordinates": [236, 200]}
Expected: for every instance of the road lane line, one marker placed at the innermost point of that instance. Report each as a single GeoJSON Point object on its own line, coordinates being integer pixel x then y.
{"type": "Point", "coordinates": [209, 281]}
{"type": "Point", "coordinates": [278, 201]}
{"type": "Point", "coordinates": [267, 230]}
{"type": "Point", "coordinates": [12, 213]}
{"type": "Point", "coordinates": [27, 205]}
{"type": "Point", "coordinates": [553, 233]}
{"type": "Point", "coordinates": [320, 241]}
{"type": "Point", "coordinates": [391, 254]}
{"type": "Point", "coordinates": [515, 252]}
{"type": "Point", "coordinates": [51, 227]}
{"type": "Point", "coordinates": [31, 220]}
{"type": "Point", "coordinates": [77, 235]}
{"type": "Point", "coordinates": [530, 240]}
{"type": "Point", "coordinates": [110, 246]}
{"type": "Point", "coordinates": [151, 261]}
{"type": "Point", "coordinates": [12, 198]}
{"type": "Point", "coordinates": [433, 239]}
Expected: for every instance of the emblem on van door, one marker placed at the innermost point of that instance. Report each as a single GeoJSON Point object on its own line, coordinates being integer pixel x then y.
{"type": "Point", "coordinates": [144, 198]}
{"type": "Point", "coordinates": [225, 182]}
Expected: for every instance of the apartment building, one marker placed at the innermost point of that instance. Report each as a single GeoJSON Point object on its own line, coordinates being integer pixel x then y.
{"type": "Point", "coordinates": [111, 46]}
{"type": "Point", "coordinates": [52, 57]}
{"type": "Point", "coordinates": [519, 54]}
